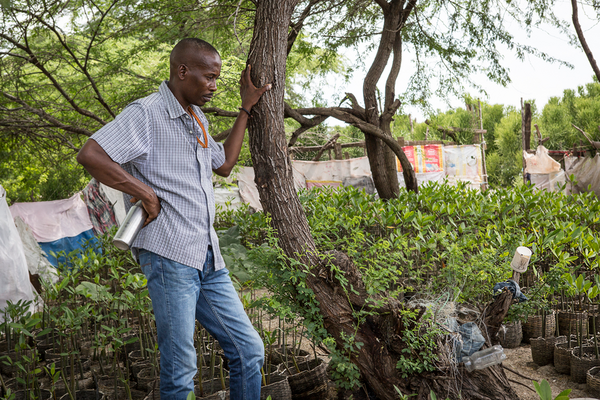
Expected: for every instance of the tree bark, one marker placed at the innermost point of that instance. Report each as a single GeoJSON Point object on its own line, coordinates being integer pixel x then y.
{"type": "Point", "coordinates": [381, 332]}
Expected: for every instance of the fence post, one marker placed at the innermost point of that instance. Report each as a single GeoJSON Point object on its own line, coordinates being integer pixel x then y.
{"type": "Point", "coordinates": [338, 151]}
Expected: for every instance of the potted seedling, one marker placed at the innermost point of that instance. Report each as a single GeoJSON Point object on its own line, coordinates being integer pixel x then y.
{"type": "Point", "coordinates": [568, 320]}
{"type": "Point", "coordinates": [591, 294]}
{"type": "Point", "coordinates": [583, 357]}
{"type": "Point", "coordinates": [542, 348]}
{"type": "Point", "coordinates": [510, 333]}
{"type": "Point", "coordinates": [540, 319]}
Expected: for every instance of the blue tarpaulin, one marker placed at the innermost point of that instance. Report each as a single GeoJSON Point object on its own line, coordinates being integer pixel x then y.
{"type": "Point", "coordinates": [66, 245]}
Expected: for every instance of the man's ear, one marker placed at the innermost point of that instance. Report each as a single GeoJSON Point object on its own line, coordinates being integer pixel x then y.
{"type": "Point", "coordinates": [182, 71]}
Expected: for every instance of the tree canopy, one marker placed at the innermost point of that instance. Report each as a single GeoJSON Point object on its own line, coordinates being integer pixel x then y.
{"type": "Point", "coordinates": [68, 67]}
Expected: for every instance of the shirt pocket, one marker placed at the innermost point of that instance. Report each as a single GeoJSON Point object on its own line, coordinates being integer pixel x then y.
{"type": "Point", "coordinates": [203, 155]}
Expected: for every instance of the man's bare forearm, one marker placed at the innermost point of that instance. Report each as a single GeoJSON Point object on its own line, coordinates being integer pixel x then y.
{"type": "Point", "coordinates": [95, 160]}
{"type": "Point", "coordinates": [233, 144]}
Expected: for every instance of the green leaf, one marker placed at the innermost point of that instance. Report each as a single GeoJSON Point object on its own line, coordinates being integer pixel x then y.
{"type": "Point", "coordinates": [593, 292]}
{"type": "Point", "coordinates": [543, 390]}
{"type": "Point", "coordinates": [564, 395]}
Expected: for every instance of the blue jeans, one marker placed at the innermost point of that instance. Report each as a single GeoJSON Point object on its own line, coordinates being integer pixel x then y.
{"type": "Point", "coordinates": [182, 294]}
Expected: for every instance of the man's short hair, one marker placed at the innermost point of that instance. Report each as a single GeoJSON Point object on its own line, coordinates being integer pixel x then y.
{"type": "Point", "coordinates": [191, 43]}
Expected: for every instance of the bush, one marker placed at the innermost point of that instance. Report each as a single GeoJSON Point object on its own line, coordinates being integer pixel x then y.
{"type": "Point", "coordinates": [443, 244]}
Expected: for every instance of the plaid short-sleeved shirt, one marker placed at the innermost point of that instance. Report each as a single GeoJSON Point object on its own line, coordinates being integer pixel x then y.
{"type": "Point", "coordinates": [155, 140]}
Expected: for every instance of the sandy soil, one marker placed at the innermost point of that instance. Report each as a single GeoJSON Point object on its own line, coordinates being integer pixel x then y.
{"type": "Point", "coordinates": [520, 360]}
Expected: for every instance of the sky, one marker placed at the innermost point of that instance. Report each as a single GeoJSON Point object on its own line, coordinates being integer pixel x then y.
{"type": "Point", "coordinates": [532, 78]}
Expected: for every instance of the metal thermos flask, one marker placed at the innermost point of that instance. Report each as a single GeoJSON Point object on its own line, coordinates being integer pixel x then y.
{"type": "Point", "coordinates": [134, 221]}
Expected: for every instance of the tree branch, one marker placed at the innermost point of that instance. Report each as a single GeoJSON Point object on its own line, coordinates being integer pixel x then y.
{"type": "Point", "coordinates": [390, 24]}
{"type": "Point", "coordinates": [314, 122]}
{"type": "Point", "coordinates": [222, 136]}
{"type": "Point", "coordinates": [582, 40]}
{"type": "Point", "coordinates": [595, 145]}
{"type": "Point", "coordinates": [406, 12]}
{"type": "Point", "coordinates": [219, 112]}
{"type": "Point", "coordinates": [34, 61]}
{"type": "Point", "coordinates": [324, 111]}
{"type": "Point", "coordinates": [391, 104]}
{"type": "Point", "coordinates": [83, 68]}
{"type": "Point", "coordinates": [390, 83]}
{"type": "Point", "coordinates": [306, 123]}
{"type": "Point", "coordinates": [355, 106]}
{"type": "Point", "coordinates": [47, 117]}
{"type": "Point", "coordinates": [385, 6]}
{"type": "Point", "coordinates": [296, 27]}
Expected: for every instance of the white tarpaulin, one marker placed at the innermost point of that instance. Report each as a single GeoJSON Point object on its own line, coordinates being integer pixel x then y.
{"type": "Point", "coordinates": [308, 174]}
{"type": "Point", "coordinates": [424, 177]}
{"type": "Point", "coordinates": [544, 172]}
{"type": "Point", "coordinates": [586, 171]}
{"type": "Point", "coordinates": [464, 163]}
{"type": "Point", "coordinates": [249, 192]}
{"type": "Point", "coordinates": [54, 220]}
{"type": "Point", "coordinates": [228, 197]}
{"type": "Point", "coordinates": [332, 172]}
{"type": "Point", "coordinates": [14, 276]}
{"type": "Point", "coordinates": [552, 182]}
{"type": "Point", "coordinates": [540, 162]}
{"type": "Point", "coordinates": [37, 263]}
{"type": "Point", "coordinates": [460, 163]}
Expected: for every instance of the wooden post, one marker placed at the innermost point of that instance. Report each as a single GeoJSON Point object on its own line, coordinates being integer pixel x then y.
{"type": "Point", "coordinates": [337, 148]}
{"type": "Point", "coordinates": [346, 155]}
{"type": "Point", "coordinates": [484, 185]}
{"type": "Point", "coordinates": [327, 147]}
{"type": "Point", "coordinates": [516, 276]}
{"type": "Point", "coordinates": [525, 132]}
{"type": "Point", "coordinates": [401, 141]}
{"type": "Point", "coordinates": [523, 138]}
{"type": "Point", "coordinates": [412, 128]}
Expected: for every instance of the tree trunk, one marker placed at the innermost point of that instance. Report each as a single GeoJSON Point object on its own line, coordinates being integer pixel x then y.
{"type": "Point", "coordinates": [381, 158]}
{"type": "Point", "coordinates": [380, 333]}
{"type": "Point", "coordinates": [266, 130]}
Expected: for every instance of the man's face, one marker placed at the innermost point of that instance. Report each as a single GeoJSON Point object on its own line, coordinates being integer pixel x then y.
{"type": "Point", "coordinates": [201, 78]}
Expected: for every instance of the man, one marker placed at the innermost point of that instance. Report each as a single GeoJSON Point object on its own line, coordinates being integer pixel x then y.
{"type": "Point", "coordinates": [158, 150]}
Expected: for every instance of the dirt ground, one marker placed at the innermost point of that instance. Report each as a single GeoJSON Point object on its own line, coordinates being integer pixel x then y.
{"type": "Point", "coordinates": [520, 360]}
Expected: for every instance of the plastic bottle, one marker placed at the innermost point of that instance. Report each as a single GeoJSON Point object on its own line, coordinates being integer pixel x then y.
{"type": "Point", "coordinates": [484, 358]}
{"type": "Point", "coordinates": [133, 223]}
